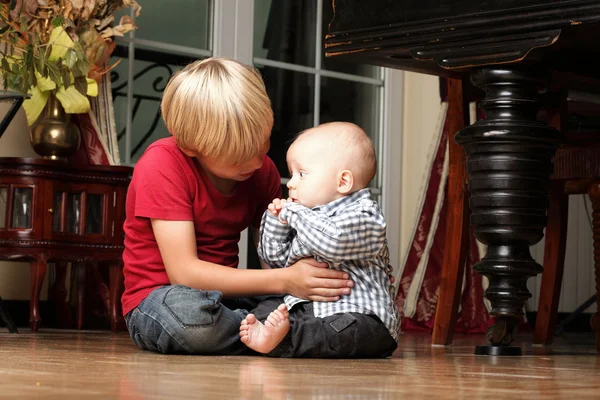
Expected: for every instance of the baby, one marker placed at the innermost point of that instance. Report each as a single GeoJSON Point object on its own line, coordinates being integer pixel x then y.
{"type": "Point", "coordinates": [330, 216]}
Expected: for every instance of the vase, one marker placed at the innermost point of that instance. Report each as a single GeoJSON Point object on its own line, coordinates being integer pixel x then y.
{"type": "Point", "coordinates": [53, 135]}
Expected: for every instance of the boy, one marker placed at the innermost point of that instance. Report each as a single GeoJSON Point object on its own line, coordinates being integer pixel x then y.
{"type": "Point", "coordinates": [330, 215]}
{"type": "Point", "coordinates": [191, 196]}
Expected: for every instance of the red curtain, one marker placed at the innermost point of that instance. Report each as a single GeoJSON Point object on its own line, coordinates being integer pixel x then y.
{"type": "Point", "coordinates": [419, 284]}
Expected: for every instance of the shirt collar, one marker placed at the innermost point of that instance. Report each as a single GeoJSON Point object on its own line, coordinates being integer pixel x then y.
{"type": "Point", "coordinates": [333, 207]}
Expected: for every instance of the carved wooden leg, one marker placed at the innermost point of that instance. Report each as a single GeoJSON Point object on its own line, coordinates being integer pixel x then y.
{"type": "Point", "coordinates": [116, 290]}
{"type": "Point", "coordinates": [457, 223]}
{"type": "Point", "coordinates": [509, 161]}
{"type": "Point", "coordinates": [554, 260]}
{"type": "Point", "coordinates": [594, 193]}
{"type": "Point", "coordinates": [38, 272]}
{"type": "Point", "coordinates": [58, 293]}
{"type": "Point", "coordinates": [81, 272]}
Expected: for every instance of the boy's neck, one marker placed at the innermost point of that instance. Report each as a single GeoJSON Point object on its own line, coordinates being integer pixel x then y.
{"type": "Point", "coordinates": [224, 186]}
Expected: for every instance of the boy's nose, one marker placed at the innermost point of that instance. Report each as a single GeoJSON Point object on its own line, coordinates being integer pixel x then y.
{"type": "Point", "coordinates": [290, 184]}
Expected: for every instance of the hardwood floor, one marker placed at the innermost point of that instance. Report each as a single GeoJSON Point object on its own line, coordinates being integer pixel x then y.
{"type": "Point", "coordinates": [83, 365]}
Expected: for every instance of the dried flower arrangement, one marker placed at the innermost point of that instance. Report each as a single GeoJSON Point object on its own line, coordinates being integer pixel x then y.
{"type": "Point", "coordinates": [58, 48]}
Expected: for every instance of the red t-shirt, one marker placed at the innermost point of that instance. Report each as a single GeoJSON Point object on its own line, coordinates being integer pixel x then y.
{"type": "Point", "coordinates": [167, 185]}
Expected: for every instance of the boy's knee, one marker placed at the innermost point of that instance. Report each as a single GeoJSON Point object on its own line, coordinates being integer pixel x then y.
{"type": "Point", "coordinates": [191, 307]}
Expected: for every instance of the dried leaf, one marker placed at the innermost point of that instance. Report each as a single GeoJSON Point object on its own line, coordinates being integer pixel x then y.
{"type": "Point", "coordinates": [132, 3]}
{"type": "Point", "coordinates": [81, 84]}
{"type": "Point", "coordinates": [126, 24]}
{"type": "Point", "coordinates": [54, 73]}
{"type": "Point", "coordinates": [5, 65]}
{"type": "Point", "coordinates": [65, 75]}
{"type": "Point", "coordinates": [23, 24]}
{"type": "Point", "coordinates": [39, 61]}
{"type": "Point", "coordinates": [35, 104]}
{"type": "Point", "coordinates": [70, 58]}
{"type": "Point", "coordinates": [29, 54]}
{"type": "Point", "coordinates": [88, 8]}
{"type": "Point", "coordinates": [31, 6]}
{"type": "Point", "coordinates": [14, 81]}
{"type": "Point", "coordinates": [72, 100]}
{"type": "Point", "coordinates": [105, 22]}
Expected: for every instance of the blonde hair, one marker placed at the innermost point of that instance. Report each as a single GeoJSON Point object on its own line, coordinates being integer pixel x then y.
{"type": "Point", "coordinates": [218, 107]}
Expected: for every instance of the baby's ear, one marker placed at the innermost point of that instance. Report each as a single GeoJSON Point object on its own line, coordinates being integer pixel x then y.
{"type": "Point", "coordinates": [345, 182]}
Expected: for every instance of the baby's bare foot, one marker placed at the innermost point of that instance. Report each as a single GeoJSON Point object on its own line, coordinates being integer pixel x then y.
{"type": "Point", "coordinates": [265, 337]}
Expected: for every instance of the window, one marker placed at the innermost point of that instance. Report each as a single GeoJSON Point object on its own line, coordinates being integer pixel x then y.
{"type": "Point", "coordinates": [163, 43]}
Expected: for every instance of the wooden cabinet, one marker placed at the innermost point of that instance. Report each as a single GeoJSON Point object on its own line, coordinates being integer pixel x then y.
{"type": "Point", "coordinates": [53, 211]}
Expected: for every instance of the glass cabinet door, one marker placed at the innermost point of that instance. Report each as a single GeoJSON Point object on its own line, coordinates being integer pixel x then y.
{"type": "Point", "coordinates": [20, 208]}
{"type": "Point", "coordinates": [22, 212]}
{"type": "Point", "coordinates": [3, 206]}
{"type": "Point", "coordinates": [80, 211]}
{"type": "Point", "coordinates": [94, 213]}
{"type": "Point", "coordinates": [74, 213]}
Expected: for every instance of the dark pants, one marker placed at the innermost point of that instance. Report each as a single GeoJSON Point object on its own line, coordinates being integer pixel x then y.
{"type": "Point", "coordinates": [350, 335]}
{"type": "Point", "coordinates": [179, 319]}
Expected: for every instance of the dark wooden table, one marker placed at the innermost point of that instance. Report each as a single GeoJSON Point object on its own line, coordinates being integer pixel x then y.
{"type": "Point", "coordinates": [513, 50]}
{"type": "Point", "coordinates": [59, 212]}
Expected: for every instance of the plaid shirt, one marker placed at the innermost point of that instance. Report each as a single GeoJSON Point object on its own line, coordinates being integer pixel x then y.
{"type": "Point", "coordinates": [349, 235]}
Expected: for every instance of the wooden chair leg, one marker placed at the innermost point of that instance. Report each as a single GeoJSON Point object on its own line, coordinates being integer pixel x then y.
{"type": "Point", "coordinates": [58, 293]}
{"type": "Point", "coordinates": [554, 260]}
{"type": "Point", "coordinates": [457, 225]}
{"type": "Point", "coordinates": [38, 273]}
{"type": "Point", "coordinates": [81, 272]}
{"type": "Point", "coordinates": [116, 290]}
{"type": "Point", "coordinates": [594, 193]}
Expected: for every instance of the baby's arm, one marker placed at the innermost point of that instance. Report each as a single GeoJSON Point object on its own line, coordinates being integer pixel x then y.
{"type": "Point", "coordinates": [275, 237]}
{"type": "Point", "coordinates": [358, 234]}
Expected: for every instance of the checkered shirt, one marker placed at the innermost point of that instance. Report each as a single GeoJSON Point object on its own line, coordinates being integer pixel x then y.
{"type": "Point", "coordinates": [349, 235]}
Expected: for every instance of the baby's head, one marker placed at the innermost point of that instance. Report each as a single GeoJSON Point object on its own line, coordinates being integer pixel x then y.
{"type": "Point", "coordinates": [328, 162]}
{"type": "Point", "coordinates": [218, 111]}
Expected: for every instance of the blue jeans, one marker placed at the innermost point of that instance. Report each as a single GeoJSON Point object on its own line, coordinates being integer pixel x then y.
{"type": "Point", "coordinates": [179, 319]}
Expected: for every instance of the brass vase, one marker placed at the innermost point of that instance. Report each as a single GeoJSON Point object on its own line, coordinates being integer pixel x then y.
{"type": "Point", "coordinates": [52, 135]}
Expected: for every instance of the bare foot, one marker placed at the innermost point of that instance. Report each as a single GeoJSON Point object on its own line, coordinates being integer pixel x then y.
{"type": "Point", "coordinates": [264, 338]}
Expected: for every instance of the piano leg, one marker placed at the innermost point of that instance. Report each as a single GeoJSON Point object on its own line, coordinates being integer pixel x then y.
{"type": "Point", "coordinates": [509, 162]}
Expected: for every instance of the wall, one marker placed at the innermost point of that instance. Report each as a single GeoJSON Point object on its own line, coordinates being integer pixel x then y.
{"type": "Point", "coordinates": [421, 107]}
{"type": "Point", "coordinates": [15, 277]}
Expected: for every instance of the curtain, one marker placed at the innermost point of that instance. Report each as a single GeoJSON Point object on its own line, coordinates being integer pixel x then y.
{"type": "Point", "coordinates": [99, 143]}
{"type": "Point", "coordinates": [421, 270]}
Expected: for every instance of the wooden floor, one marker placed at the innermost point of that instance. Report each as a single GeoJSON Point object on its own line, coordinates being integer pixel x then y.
{"type": "Point", "coordinates": [66, 364]}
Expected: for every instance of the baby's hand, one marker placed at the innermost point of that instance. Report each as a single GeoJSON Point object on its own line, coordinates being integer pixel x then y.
{"type": "Point", "coordinates": [276, 206]}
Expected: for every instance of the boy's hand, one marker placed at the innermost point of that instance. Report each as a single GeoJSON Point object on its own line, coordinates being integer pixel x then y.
{"type": "Point", "coordinates": [313, 281]}
{"type": "Point", "coordinates": [275, 208]}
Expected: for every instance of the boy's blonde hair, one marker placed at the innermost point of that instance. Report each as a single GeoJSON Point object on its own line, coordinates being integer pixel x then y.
{"type": "Point", "coordinates": [218, 107]}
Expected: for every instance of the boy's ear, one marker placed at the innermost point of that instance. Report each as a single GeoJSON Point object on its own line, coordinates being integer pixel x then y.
{"type": "Point", "coordinates": [188, 153]}
{"type": "Point", "coordinates": [345, 182]}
